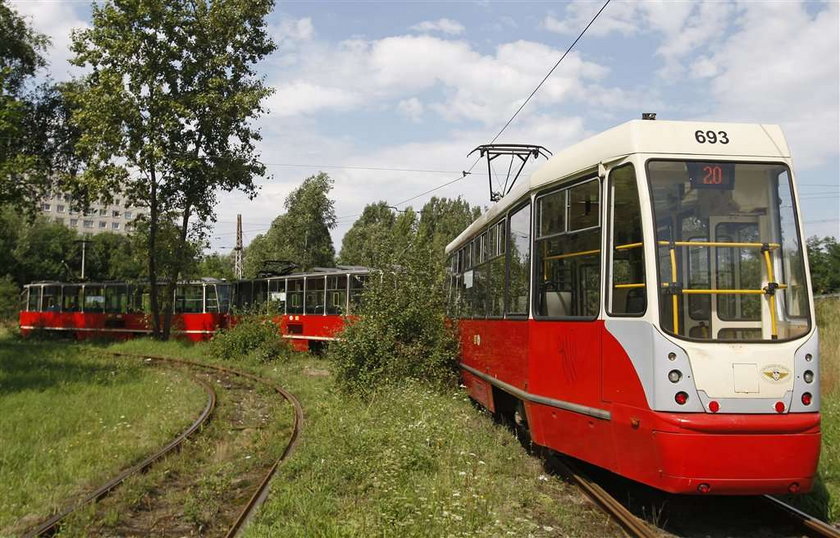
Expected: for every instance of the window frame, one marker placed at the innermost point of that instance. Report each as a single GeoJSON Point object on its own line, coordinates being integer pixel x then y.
{"type": "Point", "coordinates": [608, 273]}
{"type": "Point", "coordinates": [590, 175]}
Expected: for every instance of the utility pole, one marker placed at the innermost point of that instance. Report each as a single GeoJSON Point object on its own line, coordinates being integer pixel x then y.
{"type": "Point", "coordinates": [84, 243]}
{"type": "Point", "coordinates": [237, 258]}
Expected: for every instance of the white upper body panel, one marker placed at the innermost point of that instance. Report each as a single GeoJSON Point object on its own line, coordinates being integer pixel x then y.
{"type": "Point", "coordinates": [739, 140]}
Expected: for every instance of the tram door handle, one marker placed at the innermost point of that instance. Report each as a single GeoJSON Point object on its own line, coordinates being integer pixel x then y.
{"type": "Point", "coordinates": [477, 339]}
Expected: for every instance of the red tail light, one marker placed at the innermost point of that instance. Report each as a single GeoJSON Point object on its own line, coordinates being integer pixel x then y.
{"type": "Point", "coordinates": [780, 407]}
{"type": "Point", "coordinates": [704, 488]}
{"type": "Point", "coordinates": [806, 398]}
{"type": "Point", "coordinates": [681, 398]}
{"type": "Point", "coordinates": [714, 407]}
{"type": "Point", "coordinates": [794, 487]}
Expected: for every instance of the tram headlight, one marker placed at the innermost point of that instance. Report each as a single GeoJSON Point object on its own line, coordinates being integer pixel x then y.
{"type": "Point", "coordinates": [674, 376]}
{"type": "Point", "coordinates": [808, 376]}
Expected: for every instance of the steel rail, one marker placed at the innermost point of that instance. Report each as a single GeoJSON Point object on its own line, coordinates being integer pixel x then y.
{"type": "Point", "coordinates": [261, 492]}
{"type": "Point", "coordinates": [51, 525]}
{"type": "Point", "coordinates": [812, 525]}
{"type": "Point", "coordinates": [631, 524]}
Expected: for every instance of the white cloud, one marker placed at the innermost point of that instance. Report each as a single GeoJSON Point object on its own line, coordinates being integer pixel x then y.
{"type": "Point", "coordinates": [300, 97]}
{"type": "Point", "coordinates": [781, 67]}
{"type": "Point", "coordinates": [473, 86]}
{"type": "Point", "coordinates": [411, 108]}
{"type": "Point", "coordinates": [56, 20]}
{"type": "Point", "coordinates": [446, 26]}
{"type": "Point", "coordinates": [292, 30]}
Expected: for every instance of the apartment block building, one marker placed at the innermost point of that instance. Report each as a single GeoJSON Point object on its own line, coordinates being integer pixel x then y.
{"type": "Point", "coordinates": [115, 217]}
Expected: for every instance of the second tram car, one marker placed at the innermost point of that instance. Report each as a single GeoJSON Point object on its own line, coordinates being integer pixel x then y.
{"type": "Point", "coordinates": [643, 303]}
{"type": "Point", "coordinates": [309, 308]}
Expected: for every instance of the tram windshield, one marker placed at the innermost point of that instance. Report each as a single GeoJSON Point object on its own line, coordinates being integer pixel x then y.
{"type": "Point", "coordinates": [729, 255]}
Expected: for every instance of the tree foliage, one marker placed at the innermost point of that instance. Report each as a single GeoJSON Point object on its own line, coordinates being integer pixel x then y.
{"type": "Point", "coordinates": [824, 259]}
{"type": "Point", "coordinates": [402, 332]}
{"type": "Point", "coordinates": [302, 234]}
{"type": "Point", "coordinates": [165, 113]}
{"type": "Point", "coordinates": [443, 219]}
{"type": "Point", "coordinates": [25, 134]}
{"type": "Point", "coordinates": [377, 236]}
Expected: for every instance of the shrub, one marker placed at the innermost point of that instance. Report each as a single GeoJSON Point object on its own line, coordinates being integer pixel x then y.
{"type": "Point", "coordinates": [402, 331]}
{"type": "Point", "coordinates": [9, 298]}
{"type": "Point", "coordinates": [253, 337]}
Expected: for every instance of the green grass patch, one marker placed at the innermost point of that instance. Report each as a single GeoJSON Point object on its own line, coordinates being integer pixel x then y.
{"type": "Point", "coordinates": [71, 418]}
{"type": "Point", "coordinates": [405, 460]}
{"type": "Point", "coordinates": [824, 500]}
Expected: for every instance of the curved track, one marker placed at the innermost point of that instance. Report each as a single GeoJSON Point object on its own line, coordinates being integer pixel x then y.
{"type": "Point", "coordinates": [257, 498]}
{"type": "Point", "coordinates": [51, 525]}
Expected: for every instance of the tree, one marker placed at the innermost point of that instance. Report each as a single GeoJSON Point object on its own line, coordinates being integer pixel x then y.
{"type": "Point", "coordinates": [216, 265]}
{"type": "Point", "coordinates": [302, 234]}
{"type": "Point", "coordinates": [378, 236]}
{"type": "Point", "coordinates": [824, 259]}
{"type": "Point", "coordinates": [165, 113]}
{"type": "Point", "coordinates": [443, 219]}
{"type": "Point", "coordinates": [24, 177]}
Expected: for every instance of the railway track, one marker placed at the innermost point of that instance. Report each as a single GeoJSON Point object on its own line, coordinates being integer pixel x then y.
{"type": "Point", "coordinates": [258, 495]}
{"type": "Point", "coordinates": [685, 515]}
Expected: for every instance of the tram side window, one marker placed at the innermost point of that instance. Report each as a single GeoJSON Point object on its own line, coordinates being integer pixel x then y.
{"type": "Point", "coordinates": [314, 295]}
{"type": "Point", "coordinates": [34, 303]}
{"type": "Point", "coordinates": [568, 263]}
{"type": "Point", "coordinates": [189, 299]}
{"type": "Point", "coordinates": [519, 261]}
{"type": "Point", "coordinates": [51, 301]}
{"type": "Point", "coordinates": [115, 299]}
{"type": "Point", "coordinates": [294, 296]}
{"type": "Point", "coordinates": [496, 270]}
{"type": "Point", "coordinates": [94, 299]}
{"type": "Point", "coordinates": [260, 294]}
{"type": "Point", "coordinates": [277, 295]}
{"type": "Point", "coordinates": [244, 294]}
{"type": "Point", "coordinates": [357, 287]}
{"type": "Point", "coordinates": [628, 296]}
{"type": "Point", "coordinates": [336, 294]}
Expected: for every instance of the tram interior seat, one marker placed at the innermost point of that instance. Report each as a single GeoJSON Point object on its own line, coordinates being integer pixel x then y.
{"type": "Point", "coordinates": [555, 303]}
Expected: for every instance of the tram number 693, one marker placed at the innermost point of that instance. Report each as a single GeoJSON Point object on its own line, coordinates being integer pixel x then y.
{"type": "Point", "coordinates": [711, 137]}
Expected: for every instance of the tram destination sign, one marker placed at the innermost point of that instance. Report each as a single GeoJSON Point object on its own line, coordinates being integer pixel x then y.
{"type": "Point", "coordinates": [711, 175]}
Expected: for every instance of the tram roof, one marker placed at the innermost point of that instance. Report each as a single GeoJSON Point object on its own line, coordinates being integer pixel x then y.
{"type": "Point", "coordinates": [746, 141]}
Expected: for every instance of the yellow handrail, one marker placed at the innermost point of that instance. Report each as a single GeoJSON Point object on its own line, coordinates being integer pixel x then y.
{"type": "Point", "coordinates": [774, 332]}
{"type": "Point", "coordinates": [771, 246]}
{"type": "Point", "coordinates": [572, 254]}
{"type": "Point", "coordinates": [624, 286]}
{"type": "Point", "coordinates": [675, 307]}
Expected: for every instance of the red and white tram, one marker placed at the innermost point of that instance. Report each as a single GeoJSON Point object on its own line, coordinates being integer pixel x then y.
{"type": "Point", "coordinates": [309, 308]}
{"type": "Point", "coordinates": [120, 310]}
{"type": "Point", "coordinates": [643, 303]}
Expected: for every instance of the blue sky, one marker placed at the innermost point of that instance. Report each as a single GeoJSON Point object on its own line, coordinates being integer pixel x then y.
{"type": "Point", "coordinates": [417, 85]}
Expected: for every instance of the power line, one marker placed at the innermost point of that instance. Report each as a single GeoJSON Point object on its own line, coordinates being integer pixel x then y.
{"type": "Point", "coordinates": [373, 168]}
{"type": "Point", "coordinates": [550, 71]}
{"type": "Point", "coordinates": [517, 111]}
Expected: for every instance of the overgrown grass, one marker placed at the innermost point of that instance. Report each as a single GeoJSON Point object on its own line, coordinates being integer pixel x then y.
{"type": "Point", "coordinates": [407, 460]}
{"type": "Point", "coordinates": [824, 500]}
{"type": "Point", "coordinates": [413, 461]}
{"type": "Point", "coordinates": [70, 418]}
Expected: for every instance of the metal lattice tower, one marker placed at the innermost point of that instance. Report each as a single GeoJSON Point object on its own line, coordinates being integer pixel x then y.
{"type": "Point", "coordinates": [237, 257]}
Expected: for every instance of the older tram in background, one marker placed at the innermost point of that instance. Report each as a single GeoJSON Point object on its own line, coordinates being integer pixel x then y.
{"type": "Point", "coordinates": [309, 308]}
{"type": "Point", "coordinates": [120, 310]}
{"type": "Point", "coordinates": [643, 303]}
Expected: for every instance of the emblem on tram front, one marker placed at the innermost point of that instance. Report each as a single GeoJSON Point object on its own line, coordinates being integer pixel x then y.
{"type": "Point", "coordinates": [775, 373]}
